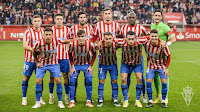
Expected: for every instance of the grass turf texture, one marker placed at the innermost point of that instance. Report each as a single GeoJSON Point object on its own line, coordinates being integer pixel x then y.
{"type": "Point", "coordinates": [184, 70]}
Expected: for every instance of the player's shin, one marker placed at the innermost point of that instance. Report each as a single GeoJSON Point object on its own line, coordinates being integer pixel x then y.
{"type": "Point", "coordinates": [125, 91]}
{"type": "Point", "coordinates": [72, 88]}
{"type": "Point", "coordinates": [59, 91]}
{"type": "Point", "coordinates": [139, 88]}
{"type": "Point", "coordinates": [149, 91]}
{"type": "Point", "coordinates": [115, 91]}
{"type": "Point", "coordinates": [88, 86]}
{"type": "Point", "coordinates": [24, 88]}
{"type": "Point", "coordinates": [129, 80]}
{"type": "Point", "coordinates": [38, 91]}
{"type": "Point", "coordinates": [143, 85]}
{"type": "Point", "coordinates": [100, 91]}
{"type": "Point", "coordinates": [164, 91]}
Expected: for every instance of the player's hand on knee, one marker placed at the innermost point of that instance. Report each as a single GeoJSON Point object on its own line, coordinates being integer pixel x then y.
{"type": "Point", "coordinates": [90, 70]}
{"type": "Point", "coordinates": [39, 65]}
{"type": "Point", "coordinates": [72, 70]}
{"type": "Point", "coordinates": [166, 72]}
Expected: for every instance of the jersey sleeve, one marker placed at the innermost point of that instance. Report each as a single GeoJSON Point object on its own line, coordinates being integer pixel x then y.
{"type": "Point", "coordinates": [167, 53]}
{"type": "Point", "coordinates": [67, 33]}
{"type": "Point", "coordinates": [36, 46]}
{"type": "Point", "coordinates": [95, 33]}
{"type": "Point", "coordinates": [169, 32]}
{"type": "Point", "coordinates": [166, 50]}
{"type": "Point", "coordinates": [118, 30]}
{"type": "Point", "coordinates": [119, 41]}
{"type": "Point", "coordinates": [71, 35]}
{"type": "Point", "coordinates": [26, 36]}
{"type": "Point", "coordinates": [70, 53]}
{"type": "Point", "coordinates": [59, 41]}
{"type": "Point", "coordinates": [93, 50]}
{"type": "Point", "coordinates": [144, 31]}
{"type": "Point", "coordinates": [142, 40]}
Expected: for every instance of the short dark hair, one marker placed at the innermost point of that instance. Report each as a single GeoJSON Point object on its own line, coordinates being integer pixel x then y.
{"type": "Point", "coordinates": [80, 13]}
{"type": "Point", "coordinates": [154, 31]}
{"type": "Point", "coordinates": [107, 33]}
{"type": "Point", "coordinates": [80, 32]}
{"type": "Point", "coordinates": [158, 10]}
{"type": "Point", "coordinates": [130, 33]}
{"type": "Point", "coordinates": [48, 29]}
{"type": "Point", "coordinates": [58, 14]}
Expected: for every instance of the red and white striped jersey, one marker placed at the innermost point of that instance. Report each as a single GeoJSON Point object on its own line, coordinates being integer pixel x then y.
{"type": "Point", "coordinates": [156, 56]}
{"type": "Point", "coordinates": [138, 29]}
{"type": "Point", "coordinates": [132, 55]}
{"type": "Point", "coordinates": [62, 33]}
{"type": "Point", "coordinates": [81, 54]}
{"type": "Point", "coordinates": [101, 27]}
{"type": "Point", "coordinates": [88, 30]}
{"type": "Point", "coordinates": [32, 36]}
{"type": "Point", "coordinates": [108, 55]}
{"type": "Point", "coordinates": [48, 52]}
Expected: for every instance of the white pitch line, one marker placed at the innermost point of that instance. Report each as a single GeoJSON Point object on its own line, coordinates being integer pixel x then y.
{"type": "Point", "coordinates": [194, 42]}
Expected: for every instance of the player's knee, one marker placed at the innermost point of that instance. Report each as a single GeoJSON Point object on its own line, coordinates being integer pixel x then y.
{"type": "Point", "coordinates": [114, 81]}
{"type": "Point", "coordinates": [124, 79]}
{"type": "Point", "coordinates": [139, 80]}
{"type": "Point", "coordinates": [38, 81]}
{"type": "Point", "coordinates": [88, 81]}
{"type": "Point", "coordinates": [72, 81]}
{"type": "Point", "coordinates": [149, 80]}
{"type": "Point", "coordinates": [163, 80]}
{"type": "Point", "coordinates": [101, 81]}
{"type": "Point", "coordinates": [65, 75]}
{"type": "Point", "coordinates": [26, 78]}
{"type": "Point", "coordinates": [58, 80]}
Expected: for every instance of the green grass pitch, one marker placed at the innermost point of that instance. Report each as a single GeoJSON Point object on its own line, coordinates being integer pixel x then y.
{"type": "Point", "coordinates": [184, 71]}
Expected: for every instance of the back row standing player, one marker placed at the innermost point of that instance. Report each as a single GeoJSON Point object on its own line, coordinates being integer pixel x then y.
{"type": "Point", "coordinates": [165, 34]}
{"type": "Point", "coordinates": [107, 25]}
{"type": "Point", "coordinates": [62, 32]}
{"type": "Point", "coordinates": [32, 35]}
{"type": "Point", "coordinates": [139, 32]}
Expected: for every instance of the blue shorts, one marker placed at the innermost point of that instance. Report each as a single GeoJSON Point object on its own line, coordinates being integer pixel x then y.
{"type": "Point", "coordinates": [142, 65]}
{"type": "Point", "coordinates": [125, 68]}
{"type": "Point", "coordinates": [64, 65]}
{"type": "Point", "coordinates": [151, 73]}
{"type": "Point", "coordinates": [28, 68]}
{"type": "Point", "coordinates": [53, 69]}
{"type": "Point", "coordinates": [79, 68]}
{"type": "Point", "coordinates": [102, 71]}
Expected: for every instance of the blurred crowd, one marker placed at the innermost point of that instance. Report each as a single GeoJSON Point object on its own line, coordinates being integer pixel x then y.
{"type": "Point", "coordinates": [21, 11]}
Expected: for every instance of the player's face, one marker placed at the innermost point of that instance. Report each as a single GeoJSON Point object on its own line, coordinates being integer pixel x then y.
{"type": "Point", "coordinates": [82, 19]}
{"type": "Point", "coordinates": [108, 40]}
{"type": "Point", "coordinates": [107, 15]}
{"type": "Point", "coordinates": [81, 39]}
{"type": "Point", "coordinates": [36, 22]}
{"type": "Point", "coordinates": [131, 19]}
{"type": "Point", "coordinates": [48, 35]}
{"type": "Point", "coordinates": [130, 39]}
{"type": "Point", "coordinates": [59, 20]}
{"type": "Point", "coordinates": [157, 17]}
{"type": "Point", "coordinates": [154, 38]}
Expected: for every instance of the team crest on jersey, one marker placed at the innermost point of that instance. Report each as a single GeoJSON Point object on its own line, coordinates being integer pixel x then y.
{"type": "Point", "coordinates": [34, 41]}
